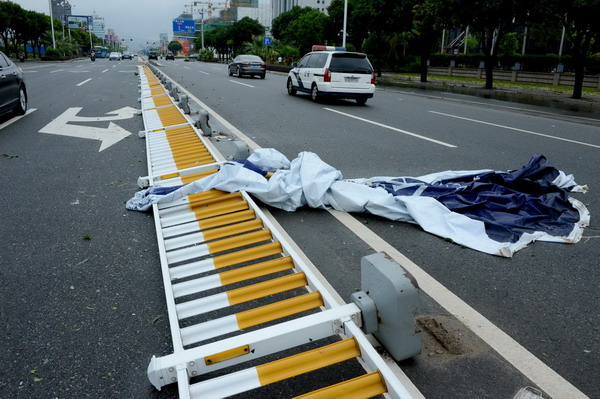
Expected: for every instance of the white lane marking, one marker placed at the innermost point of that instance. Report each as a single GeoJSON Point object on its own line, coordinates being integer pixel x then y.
{"type": "Point", "coordinates": [516, 129]}
{"type": "Point", "coordinates": [239, 83]}
{"type": "Point", "coordinates": [491, 105]}
{"type": "Point", "coordinates": [206, 73]}
{"type": "Point", "coordinates": [105, 70]}
{"type": "Point", "coordinates": [532, 367]}
{"type": "Point", "coordinates": [84, 82]}
{"type": "Point", "coordinates": [56, 70]}
{"type": "Point", "coordinates": [392, 128]}
{"type": "Point", "coordinates": [186, 67]}
{"type": "Point", "coordinates": [13, 120]}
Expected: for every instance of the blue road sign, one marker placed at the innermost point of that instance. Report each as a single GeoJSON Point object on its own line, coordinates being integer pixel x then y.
{"type": "Point", "coordinates": [267, 41]}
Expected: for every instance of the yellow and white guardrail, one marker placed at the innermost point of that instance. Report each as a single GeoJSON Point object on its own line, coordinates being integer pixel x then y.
{"type": "Point", "coordinates": [236, 290]}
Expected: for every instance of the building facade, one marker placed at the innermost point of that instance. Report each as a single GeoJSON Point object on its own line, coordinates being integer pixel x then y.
{"type": "Point", "coordinates": [281, 6]}
{"type": "Point", "coordinates": [60, 9]}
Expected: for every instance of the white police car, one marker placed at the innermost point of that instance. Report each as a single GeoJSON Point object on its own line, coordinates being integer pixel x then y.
{"type": "Point", "coordinates": [332, 71]}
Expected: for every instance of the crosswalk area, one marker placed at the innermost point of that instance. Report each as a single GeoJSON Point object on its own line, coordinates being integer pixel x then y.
{"type": "Point", "coordinates": [245, 311]}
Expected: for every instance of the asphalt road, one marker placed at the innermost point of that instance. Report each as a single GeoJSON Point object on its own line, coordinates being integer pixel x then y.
{"type": "Point", "coordinates": [545, 297]}
{"type": "Point", "coordinates": [83, 307]}
{"type": "Point", "coordinates": [82, 302]}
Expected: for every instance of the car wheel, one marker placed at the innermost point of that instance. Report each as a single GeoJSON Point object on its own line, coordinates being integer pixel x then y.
{"type": "Point", "coordinates": [361, 101]}
{"type": "Point", "coordinates": [314, 94]}
{"type": "Point", "coordinates": [263, 75]}
{"type": "Point", "coordinates": [229, 71]}
{"type": "Point", "coordinates": [290, 88]}
{"type": "Point", "coordinates": [239, 72]}
{"type": "Point", "coordinates": [21, 107]}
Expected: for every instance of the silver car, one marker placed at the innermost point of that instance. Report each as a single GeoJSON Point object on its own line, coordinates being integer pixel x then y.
{"type": "Point", "coordinates": [251, 65]}
{"type": "Point", "coordinates": [114, 56]}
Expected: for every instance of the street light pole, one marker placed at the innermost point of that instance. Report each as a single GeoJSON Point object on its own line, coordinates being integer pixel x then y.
{"type": "Point", "coordinates": [52, 24]}
{"type": "Point", "coordinates": [202, 26]}
{"type": "Point", "coordinates": [90, 31]}
{"type": "Point", "coordinates": [345, 19]}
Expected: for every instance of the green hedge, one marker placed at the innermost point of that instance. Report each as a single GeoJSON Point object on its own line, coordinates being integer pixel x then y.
{"type": "Point", "coordinates": [52, 53]}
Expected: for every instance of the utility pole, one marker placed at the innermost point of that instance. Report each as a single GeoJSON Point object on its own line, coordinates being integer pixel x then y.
{"type": "Point", "coordinates": [345, 19]}
{"type": "Point", "coordinates": [202, 26]}
{"type": "Point", "coordinates": [52, 24]}
{"type": "Point", "coordinates": [90, 32]}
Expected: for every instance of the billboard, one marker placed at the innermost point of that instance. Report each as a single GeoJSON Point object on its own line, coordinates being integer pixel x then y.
{"type": "Point", "coordinates": [185, 42]}
{"type": "Point", "coordinates": [184, 25]}
{"type": "Point", "coordinates": [81, 22]}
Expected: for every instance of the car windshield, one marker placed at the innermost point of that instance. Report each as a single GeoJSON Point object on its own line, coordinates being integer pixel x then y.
{"type": "Point", "coordinates": [350, 63]}
{"type": "Point", "coordinates": [250, 58]}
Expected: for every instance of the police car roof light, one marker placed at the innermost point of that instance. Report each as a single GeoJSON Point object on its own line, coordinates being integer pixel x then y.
{"type": "Point", "coordinates": [327, 48]}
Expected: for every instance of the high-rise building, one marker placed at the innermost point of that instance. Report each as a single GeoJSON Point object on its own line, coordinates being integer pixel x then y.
{"type": "Point", "coordinates": [261, 10]}
{"type": "Point", "coordinates": [98, 26]}
{"type": "Point", "coordinates": [281, 6]}
{"type": "Point", "coordinates": [60, 9]}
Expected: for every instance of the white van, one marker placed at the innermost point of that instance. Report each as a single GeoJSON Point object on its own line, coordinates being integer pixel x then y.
{"type": "Point", "coordinates": [332, 71]}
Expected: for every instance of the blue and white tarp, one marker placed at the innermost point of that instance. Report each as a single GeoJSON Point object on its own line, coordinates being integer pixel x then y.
{"type": "Point", "coordinates": [496, 212]}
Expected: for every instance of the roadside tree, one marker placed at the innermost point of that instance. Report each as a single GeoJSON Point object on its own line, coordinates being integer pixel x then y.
{"type": "Point", "coordinates": [581, 20]}
{"type": "Point", "coordinates": [489, 21]}
{"type": "Point", "coordinates": [174, 46]}
{"type": "Point", "coordinates": [301, 27]}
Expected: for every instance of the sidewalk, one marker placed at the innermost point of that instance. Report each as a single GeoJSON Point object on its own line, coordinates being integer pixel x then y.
{"type": "Point", "coordinates": [589, 104]}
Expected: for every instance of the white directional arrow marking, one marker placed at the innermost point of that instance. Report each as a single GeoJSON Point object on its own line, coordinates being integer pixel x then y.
{"type": "Point", "coordinates": [108, 136]}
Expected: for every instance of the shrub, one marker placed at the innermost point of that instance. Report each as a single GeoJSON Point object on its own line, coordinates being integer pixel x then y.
{"type": "Point", "coordinates": [52, 53]}
{"type": "Point", "coordinates": [207, 55]}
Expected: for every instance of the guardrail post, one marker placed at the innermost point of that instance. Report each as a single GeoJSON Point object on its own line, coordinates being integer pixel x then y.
{"type": "Point", "coordinates": [203, 124]}
{"type": "Point", "coordinates": [395, 293]}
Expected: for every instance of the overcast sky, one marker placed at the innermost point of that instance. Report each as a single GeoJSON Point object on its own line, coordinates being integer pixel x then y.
{"type": "Point", "coordinates": [140, 20]}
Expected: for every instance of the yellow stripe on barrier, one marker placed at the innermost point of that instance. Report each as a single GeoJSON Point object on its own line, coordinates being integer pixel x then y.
{"type": "Point", "coordinates": [226, 219]}
{"type": "Point", "coordinates": [185, 179]}
{"type": "Point", "coordinates": [256, 270]}
{"type": "Point", "coordinates": [266, 288]}
{"type": "Point", "coordinates": [226, 355]}
{"type": "Point", "coordinates": [308, 361]}
{"type": "Point", "coordinates": [278, 310]}
{"type": "Point", "coordinates": [363, 387]}
{"type": "Point", "coordinates": [230, 230]}
{"type": "Point", "coordinates": [170, 116]}
{"type": "Point", "coordinates": [221, 209]}
{"type": "Point", "coordinates": [217, 199]}
{"type": "Point", "coordinates": [239, 241]}
{"type": "Point", "coordinates": [245, 255]}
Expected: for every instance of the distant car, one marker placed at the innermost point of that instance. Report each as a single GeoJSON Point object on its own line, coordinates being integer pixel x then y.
{"type": "Point", "coordinates": [114, 56]}
{"type": "Point", "coordinates": [13, 93]}
{"type": "Point", "coordinates": [248, 65]}
{"type": "Point", "coordinates": [127, 55]}
{"type": "Point", "coordinates": [170, 56]}
{"type": "Point", "coordinates": [333, 72]}
{"type": "Point", "coordinates": [152, 55]}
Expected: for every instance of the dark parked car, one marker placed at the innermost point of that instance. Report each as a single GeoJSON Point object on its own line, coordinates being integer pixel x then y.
{"type": "Point", "coordinates": [170, 56]}
{"type": "Point", "coordinates": [127, 55]}
{"type": "Point", "coordinates": [13, 94]}
{"type": "Point", "coordinates": [152, 55]}
{"type": "Point", "coordinates": [248, 65]}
